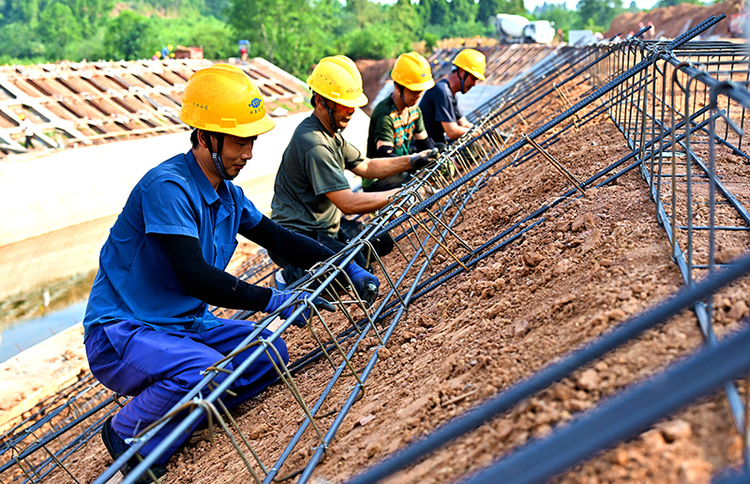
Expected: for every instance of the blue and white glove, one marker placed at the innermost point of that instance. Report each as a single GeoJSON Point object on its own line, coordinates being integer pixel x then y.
{"type": "Point", "coordinates": [365, 283]}
{"type": "Point", "coordinates": [279, 298]}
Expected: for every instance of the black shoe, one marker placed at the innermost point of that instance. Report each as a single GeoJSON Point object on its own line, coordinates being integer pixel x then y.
{"type": "Point", "coordinates": [115, 445]}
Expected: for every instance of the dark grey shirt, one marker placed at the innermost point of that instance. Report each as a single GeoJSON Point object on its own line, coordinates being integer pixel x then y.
{"type": "Point", "coordinates": [439, 105]}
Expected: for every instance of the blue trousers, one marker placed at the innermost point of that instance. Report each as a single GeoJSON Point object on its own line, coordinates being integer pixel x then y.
{"type": "Point", "coordinates": [158, 368]}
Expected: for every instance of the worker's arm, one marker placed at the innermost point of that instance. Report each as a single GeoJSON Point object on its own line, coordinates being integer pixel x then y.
{"type": "Point", "coordinates": [385, 167]}
{"type": "Point", "coordinates": [203, 281]}
{"type": "Point", "coordinates": [385, 149]}
{"type": "Point", "coordinates": [353, 203]}
{"type": "Point", "coordinates": [462, 121]}
{"type": "Point", "coordinates": [423, 142]}
{"type": "Point", "coordinates": [454, 130]}
{"type": "Point", "coordinates": [297, 249]}
{"type": "Point", "coordinates": [381, 167]}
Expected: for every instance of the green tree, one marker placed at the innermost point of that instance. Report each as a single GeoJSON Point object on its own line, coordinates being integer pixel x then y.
{"type": "Point", "coordinates": [364, 13]}
{"type": "Point", "coordinates": [669, 3]}
{"type": "Point", "coordinates": [19, 41]}
{"type": "Point", "coordinates": [25, 11]}
{"type": "Point", "coordinates": [406, 23]}
{"type": "Point", "coordinates": [292, 34]}
{"type": "Point", "coordinates": [463, 11]}
{"type": "Point", "coordinates": [92, 13]}
{"type": "Point", "coordinates": [58, 28]}
{"type": "Point", "coordinates": [217, 8]}
{"type": "Point", "coordinates": [487, 9]}
{"type": "Point", "coordinates": [371, 42]}
{"type": "Point", "coordinates": [598, 14]}
{"type": "Point", "coordinates": [129, 36]}
{"type": "Point", "coordinates": [216, 39]}
{"type": "Point", "coordinates": [439, 11]}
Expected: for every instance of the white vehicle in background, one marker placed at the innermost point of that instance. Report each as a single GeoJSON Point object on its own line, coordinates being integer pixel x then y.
{"type": "Point", "coordinates": [518, 29]}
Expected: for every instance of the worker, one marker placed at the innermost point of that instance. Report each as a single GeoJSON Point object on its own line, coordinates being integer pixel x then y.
{"type": "Point", "coordinates": [397, 120]}
{"type": "Point", "coordinates": [147, 329]}
{"type": "Point", "coordinates": [28, 131]}
{"type": "Point", "coordinates": [311, 191]}
{"type": "Point", "coordinates": [443, 119]}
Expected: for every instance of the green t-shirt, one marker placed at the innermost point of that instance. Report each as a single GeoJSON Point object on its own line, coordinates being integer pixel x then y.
{"type": "Point", "coordinates": [312, 165]}
{"type": "Point", "coordinates": [386, 124]}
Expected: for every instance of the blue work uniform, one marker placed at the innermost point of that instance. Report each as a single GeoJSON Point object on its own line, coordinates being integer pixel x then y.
{"type": "Point", "coordinates": [439, 105]}
{"type": "Point", "coordinates": [144, 336]}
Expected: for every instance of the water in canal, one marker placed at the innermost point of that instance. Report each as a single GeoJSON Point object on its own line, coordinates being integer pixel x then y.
{"type": "Point", "coordinates": [52, 261]}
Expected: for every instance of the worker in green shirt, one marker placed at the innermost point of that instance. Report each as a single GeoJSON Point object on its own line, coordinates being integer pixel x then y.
{"type": "Point", "coordinates": [397, 120]}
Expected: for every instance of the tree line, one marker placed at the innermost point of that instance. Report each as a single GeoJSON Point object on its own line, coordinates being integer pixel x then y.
{"type": "Point", "coordinates": [292, 34]}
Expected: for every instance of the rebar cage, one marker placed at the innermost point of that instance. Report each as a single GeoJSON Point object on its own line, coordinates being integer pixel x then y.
{"type": "Point", "coordinates": [680, 106]}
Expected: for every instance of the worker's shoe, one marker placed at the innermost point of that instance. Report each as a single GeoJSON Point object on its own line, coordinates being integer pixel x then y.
{"type": "Point", "coordinates": [116, 446]}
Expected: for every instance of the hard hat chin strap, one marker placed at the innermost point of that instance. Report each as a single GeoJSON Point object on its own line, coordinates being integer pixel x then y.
{"type": "Point", "coordinates": [330, 116]}
{"type": "Point", "coordinates": [216, 156]}
{"type": "Point", "coordinates": [401, 93]}
{"type": "Point", "coordinates": [462, 79]}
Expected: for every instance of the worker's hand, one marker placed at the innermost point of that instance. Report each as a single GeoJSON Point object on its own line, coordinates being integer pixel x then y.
{"type": "Point", "coordinates": [280, 299]}
{"type": "Point", "coordinates": [365, 283]}
{"type": "Point", "coordinates": [423, 158]}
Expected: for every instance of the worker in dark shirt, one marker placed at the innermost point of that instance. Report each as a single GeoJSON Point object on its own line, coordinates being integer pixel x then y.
{"type": "Point", "coordinates": [443, 120]}
{"type": "Point", "coordinates": [147, 329]}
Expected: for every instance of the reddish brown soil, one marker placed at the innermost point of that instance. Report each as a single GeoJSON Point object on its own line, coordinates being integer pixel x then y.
{"type": "Point", "coordinates": [669, 22]}
{"type": "Point", "coordinates": [593, 263]}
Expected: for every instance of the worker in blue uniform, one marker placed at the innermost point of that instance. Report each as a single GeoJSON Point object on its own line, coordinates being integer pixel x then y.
{"type": "Point", "coordinates": [148, 332]}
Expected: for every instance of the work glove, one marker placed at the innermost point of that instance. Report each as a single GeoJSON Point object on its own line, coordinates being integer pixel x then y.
{"type": "Point", "coordinates": [423, 158]}
{"type": "Point", "coordinates": [365, 283]}
{"type": "Point", "coordinates": [280, 298]}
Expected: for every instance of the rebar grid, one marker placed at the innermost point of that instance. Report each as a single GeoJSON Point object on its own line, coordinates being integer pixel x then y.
{"type": "Point", "coordinates": [421, 219]}
{"type": "Point", "coordinates": [54, 430]}
{"type": "Point", "coordinates": [683, 187]}
{"type": "Point", "coordinates": [652, 135]}
{"type": "Point", "coordinates": [420, 235]}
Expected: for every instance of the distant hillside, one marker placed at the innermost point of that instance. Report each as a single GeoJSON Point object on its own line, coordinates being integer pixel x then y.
{"type": "Point", "coordinates": [669, 22]}
{"type": "Point", "coordinates": [37, 31]}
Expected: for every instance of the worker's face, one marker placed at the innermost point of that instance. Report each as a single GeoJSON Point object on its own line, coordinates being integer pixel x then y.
{"type": "Point", "coordinates": [411, 98]}
{"type": "Point", "coordinates": [236, 153]}
{"type": "Point", "coordinates": [341, 114]}
{"type": "Point", "coordinates": [469, 82]}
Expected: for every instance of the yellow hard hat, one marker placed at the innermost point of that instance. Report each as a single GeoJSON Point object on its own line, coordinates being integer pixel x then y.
{"type": "Point", "coordinates": [338, 79]}
{"type": "Point", "coordinates": [223, 99]}
{"type": "Point", "coordinates": [472, 61]}
{"type": "Point", "coordinates": [412, 71]}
